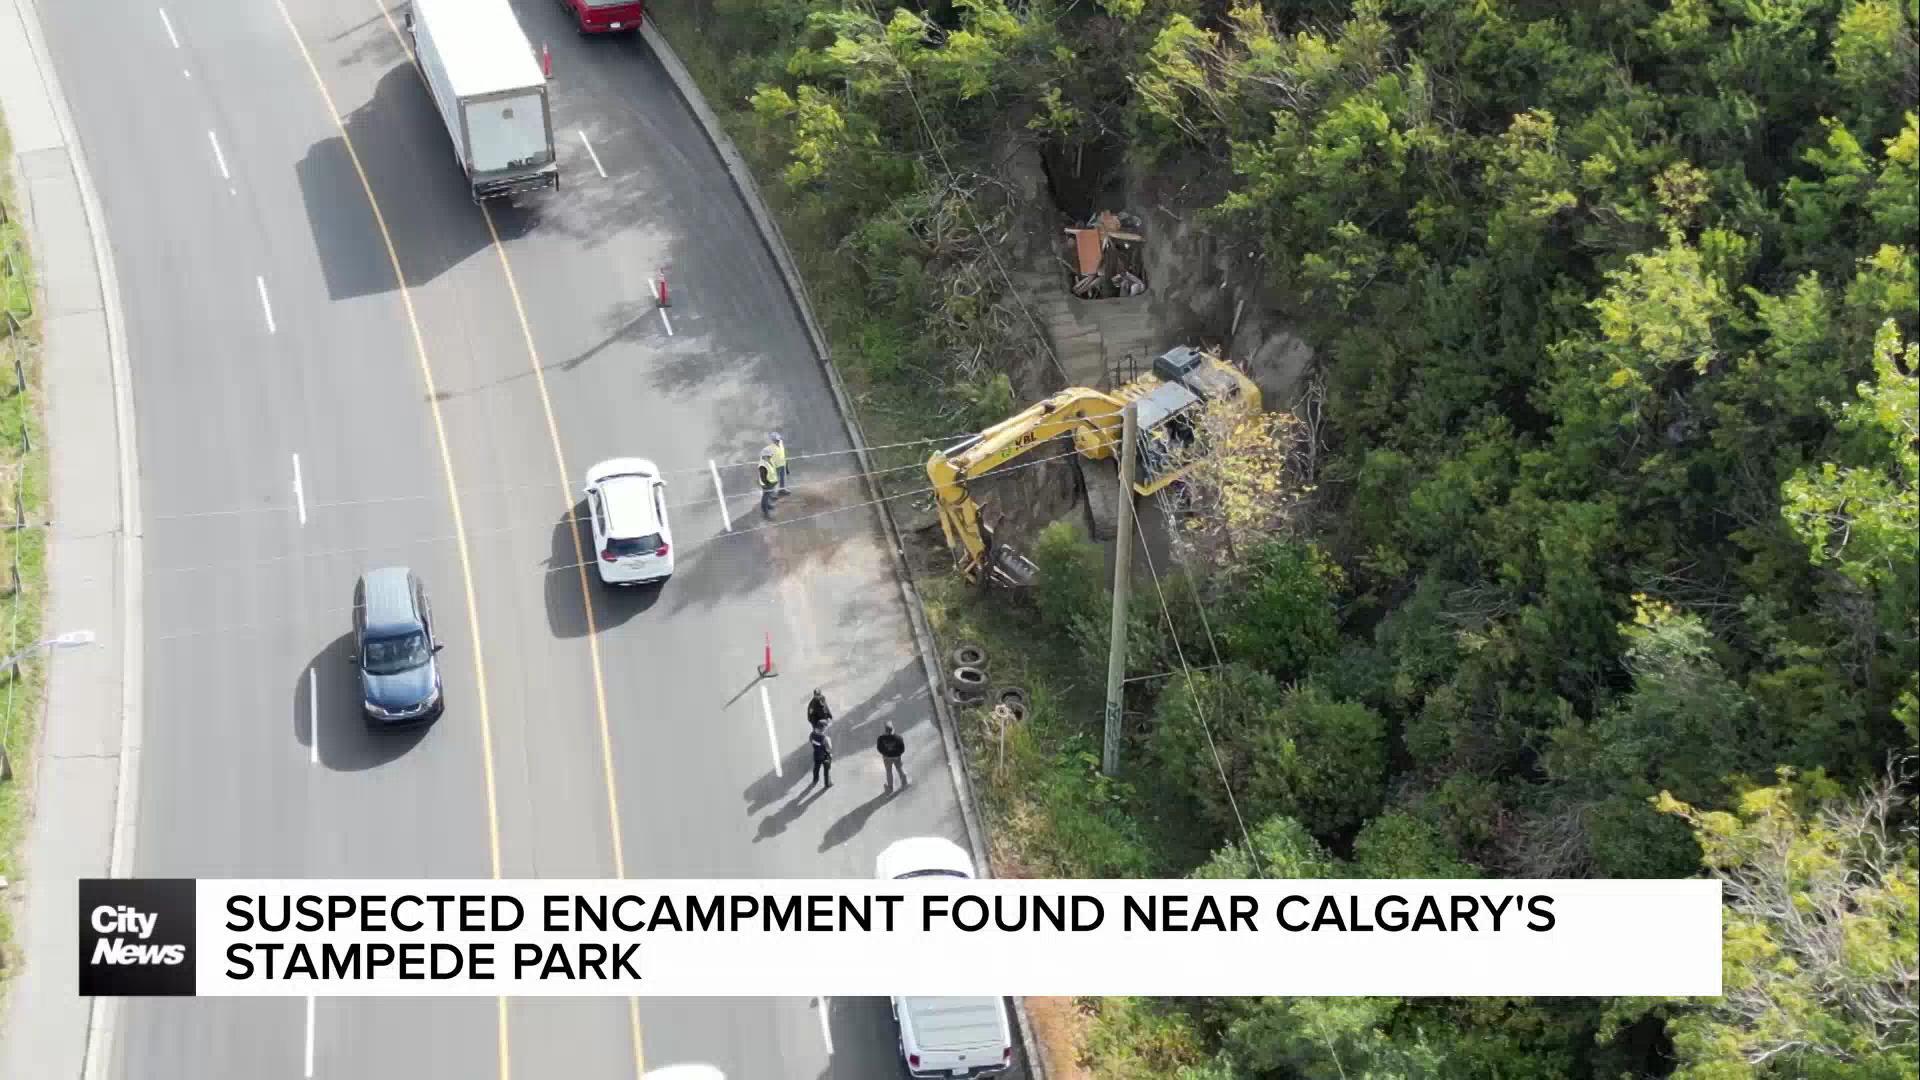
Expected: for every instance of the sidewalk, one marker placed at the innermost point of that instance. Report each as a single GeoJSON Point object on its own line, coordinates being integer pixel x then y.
{"type": "Point", "coordinates": [86, 763]}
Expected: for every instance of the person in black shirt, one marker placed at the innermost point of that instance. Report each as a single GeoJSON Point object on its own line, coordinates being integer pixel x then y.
{"type": "Point", "coordinates": [817, 712]}
{"type": "Point", "coordinates": [891, 746]}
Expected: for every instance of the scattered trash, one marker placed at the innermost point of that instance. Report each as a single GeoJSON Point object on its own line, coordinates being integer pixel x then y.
{"type": "Point", "coordinates": [1108, 257]}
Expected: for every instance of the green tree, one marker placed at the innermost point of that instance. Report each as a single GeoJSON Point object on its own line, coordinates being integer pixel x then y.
{"type": "Point", "coordinates": [1659, 322]}
{"type": "Point", "coordinates": [1684, 724]}
{"type": "Point", "coordinates": [1398, 845]}
{"type": "Point", "coordinates": [1860, 516]}
{"type": "Point", "coordinates": [820, 143]}
{"type": "Point", "coordinates": [1070, 586]}
{"type": "Point", "coordinates": [1322, 760]}
{"type": "Point", "coordinates": [1280, 609]}
{"type": "Point", "coordinates": [1822, 932]}
{"type": "Point", "coordinates": [1321, 1039]}
{"type": "Point", "coordinates": [1233, 738]}
{"type": "Point", "coordinates": [1281, 848]}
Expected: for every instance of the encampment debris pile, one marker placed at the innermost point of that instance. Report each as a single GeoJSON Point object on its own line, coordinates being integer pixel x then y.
{"type": "Point", "coordinates": [1106, 257]}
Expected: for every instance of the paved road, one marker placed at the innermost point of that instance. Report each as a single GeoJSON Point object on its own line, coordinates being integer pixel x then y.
{"type": "Point", "coordinates": [622, 733]}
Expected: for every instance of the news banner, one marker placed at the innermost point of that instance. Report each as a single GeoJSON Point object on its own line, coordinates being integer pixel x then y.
{"type": "Point", "coordinates": [932, 936]}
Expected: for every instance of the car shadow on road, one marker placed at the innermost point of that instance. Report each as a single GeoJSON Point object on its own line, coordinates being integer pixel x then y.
{"type": "Point", "coordinates": [567, 603]}
{"type": "Point", "coordinates": [804, 537]}
{"type": "Point", "coordinates": [345, 743]}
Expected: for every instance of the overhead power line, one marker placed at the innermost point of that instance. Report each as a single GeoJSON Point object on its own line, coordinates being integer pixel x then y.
{"type": "Point", "coordinates": [570, 520]}
{"type": "Point", "coordinates": [547, 485]}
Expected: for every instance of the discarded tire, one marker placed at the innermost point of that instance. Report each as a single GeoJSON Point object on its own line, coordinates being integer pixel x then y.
{"type": "Point", "coordinates": [970, 655]}
{"type": "Point", "coordinates": [970, 679]}
{"type": "Point", "coordinates": [967, 698]}
{"type": "Point", "coordinates": [1016, 712]}
{"type": "Point", "coordinates": [1015, 698]}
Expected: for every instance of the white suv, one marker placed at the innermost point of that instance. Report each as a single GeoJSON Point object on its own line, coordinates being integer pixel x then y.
{"type": "Point", "coordinates": [627, 503]}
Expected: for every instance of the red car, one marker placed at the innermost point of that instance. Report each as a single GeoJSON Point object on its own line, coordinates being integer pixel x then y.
{"type": "Point", "coordinates": [606, 16]}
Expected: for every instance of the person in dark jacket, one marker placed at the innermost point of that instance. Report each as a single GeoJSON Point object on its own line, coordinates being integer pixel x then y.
{"type": "Point", "coordinates": [891, 746]}
{"type": "Point", "coordinates": [822, 755]}
{"type": "Point", "coordinates": [817, 712]}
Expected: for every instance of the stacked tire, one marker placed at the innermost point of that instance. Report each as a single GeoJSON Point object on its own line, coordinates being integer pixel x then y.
{"type": "Point", "coordinates": [967, 677]}
{"type": "Point", "coordinates": [967, 684]}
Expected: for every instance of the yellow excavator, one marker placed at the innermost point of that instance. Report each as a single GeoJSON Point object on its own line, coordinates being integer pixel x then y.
{"type": "Point", "coordinates": [1169, 400]}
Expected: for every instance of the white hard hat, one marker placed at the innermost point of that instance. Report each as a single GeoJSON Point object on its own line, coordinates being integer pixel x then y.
{"type": "Point", "coordinates": [775, 436]}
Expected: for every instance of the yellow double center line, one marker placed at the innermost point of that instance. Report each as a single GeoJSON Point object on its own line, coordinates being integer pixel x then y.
{"type": "Point", "coordinates": [459, 525]}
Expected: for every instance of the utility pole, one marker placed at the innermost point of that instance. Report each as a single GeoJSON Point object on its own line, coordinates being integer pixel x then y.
{"type": "Point", "coordinates": [1122, 575]}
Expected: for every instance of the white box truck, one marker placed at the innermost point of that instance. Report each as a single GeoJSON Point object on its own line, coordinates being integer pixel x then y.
{"type": "Point", "coordinates": [491, 93]}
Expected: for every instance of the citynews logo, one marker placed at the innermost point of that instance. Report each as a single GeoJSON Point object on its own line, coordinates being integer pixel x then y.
{"type": "Point", "coordinates": [118, 950]}
{"type": "Point", "coordinates": [136, 937]}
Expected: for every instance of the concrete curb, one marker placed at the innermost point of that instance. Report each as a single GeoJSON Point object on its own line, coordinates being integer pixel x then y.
{"type": "Point", "coordinates": [97, 1046]}
{"type": "Point", "coordinates": [922, 632]}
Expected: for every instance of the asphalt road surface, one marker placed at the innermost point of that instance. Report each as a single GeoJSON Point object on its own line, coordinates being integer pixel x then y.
{"type": "Point", "coordinates": [307, 414]}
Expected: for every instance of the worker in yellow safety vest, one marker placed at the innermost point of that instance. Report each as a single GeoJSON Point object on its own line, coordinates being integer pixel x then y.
{"type": "Point", "coordinates": [777, 450]}
{"type": "Point", "coordinates": [769, 479]}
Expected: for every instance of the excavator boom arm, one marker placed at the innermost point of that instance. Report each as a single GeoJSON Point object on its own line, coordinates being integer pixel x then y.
{"type": "Point", "coordinates": [1089, 416]}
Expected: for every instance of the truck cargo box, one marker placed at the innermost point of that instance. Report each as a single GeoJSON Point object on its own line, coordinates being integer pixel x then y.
{"type": "Point", "coordinates": [490, 92]}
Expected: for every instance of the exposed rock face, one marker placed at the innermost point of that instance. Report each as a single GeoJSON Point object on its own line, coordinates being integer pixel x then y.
{"type": "Point", "coordinates": [1197, 281]}
{"type": "Point", "coordinates": [1278, 361]}
{"type": "Point", "coordinates": [1202, 281]}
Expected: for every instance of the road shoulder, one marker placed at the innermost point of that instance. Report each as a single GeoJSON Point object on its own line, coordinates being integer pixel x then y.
{"type": "Point", "coordinates": [922, 632]}
{"type": "Point", "coordinates": [86, 764]}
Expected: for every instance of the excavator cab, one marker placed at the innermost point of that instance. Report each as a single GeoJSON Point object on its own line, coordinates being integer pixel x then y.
{"type": "Point", "coordinates": [1168, 407]}
{"type": "Point", "coordinates": [1166, 417]}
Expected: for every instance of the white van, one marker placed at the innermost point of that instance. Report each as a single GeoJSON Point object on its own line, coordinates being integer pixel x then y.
{"type": "Point", "coordinates": [945, 1036]}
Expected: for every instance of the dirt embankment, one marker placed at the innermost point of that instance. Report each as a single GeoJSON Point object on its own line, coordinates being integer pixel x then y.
{"type": "Point", "coordinates": [1201, 291]}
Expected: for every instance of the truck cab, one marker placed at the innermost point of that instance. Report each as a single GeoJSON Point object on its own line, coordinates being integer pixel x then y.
{"type": "Point", "coordinates": [606, 16]}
